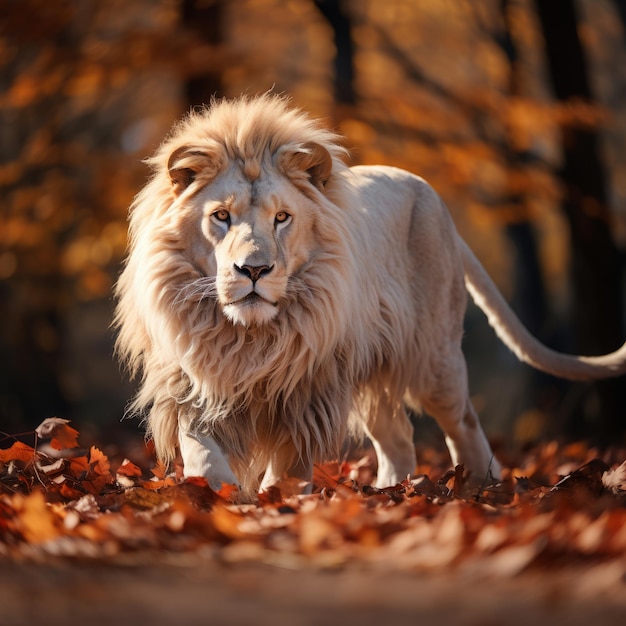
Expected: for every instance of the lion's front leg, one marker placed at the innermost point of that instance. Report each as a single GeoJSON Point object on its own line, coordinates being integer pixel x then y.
{"type": "Point", "coordinates": [202, 456]}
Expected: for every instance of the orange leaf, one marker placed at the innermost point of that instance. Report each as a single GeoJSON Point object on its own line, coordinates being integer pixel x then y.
{"type": "Point", "coordinates": [99, 462]}
{"type": "Point", "coordinates": [127, 468]}
{"type": "Point", "coordinates": [36, 521]}
{"type": "Point", "coordinates": [93, 472]}
{"type": "Point", "coordinates": [70, 493]}
{"type": "Point", "coordinates": [159, 470]}
{"type": "Point", "coordinates": [99, 474]}
{"type": "Point", "coordinates": [228, 492]}
{"type": "Point", "coordinates": [228, 523]}
{"type": "Point", "coordinates": [79, 466]}
{"type": "Point", "coordinates": [17, 452]}
{"type": "Point", "coordinates": [158, 483]}
{"type": "Point", "coordinates": [56, 428]}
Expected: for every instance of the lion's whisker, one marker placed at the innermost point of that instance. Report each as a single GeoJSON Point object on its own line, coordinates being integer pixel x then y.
{"type": "Point", "coordinates": [196, 291]}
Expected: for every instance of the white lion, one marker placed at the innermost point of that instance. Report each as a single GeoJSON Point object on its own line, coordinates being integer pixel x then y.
{"type": "Point", "coordinates": [276, 301]}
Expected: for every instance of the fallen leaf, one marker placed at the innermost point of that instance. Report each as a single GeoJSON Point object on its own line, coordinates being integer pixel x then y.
{"type": "Point", "coordinates": [51, 468]}
{"type": "Point", "coordinates": [228, 523]}
{"type": "Point", "coordinates": [36, 522]}
{"type": "Point", "coordinates": [514, 559]}
{"type": "Point", "coordinates": [129, 469]}
{"type": "Point", "coordinates": [615, 479]}
{"type": "Point", "coordinates": [17, 452]}
{"type": "Point", "coordinates": [57, 430]}
{"type": "Point", "coordinates": [588, 477]}
{"type": "Point", "coordinates": [144, 499]}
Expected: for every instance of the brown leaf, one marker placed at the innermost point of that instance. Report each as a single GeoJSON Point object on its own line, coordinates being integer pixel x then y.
{"type": "Point", "coordinates": [197, 492]}
{"type": "Point", "coordinates": [587, 478]}
{"type": "Point", "coordinates": [85, 508]}
{"type": "Point", "coordinates": [270, 496]}
{"type": "Point", "coordinates": [424, 486]}
{"type": "Point", "coordinates": [144, 499]}
{"type": "Point", "coordinates": [394, 492]}
{"type": "Point", "coordinates": [317, 532]}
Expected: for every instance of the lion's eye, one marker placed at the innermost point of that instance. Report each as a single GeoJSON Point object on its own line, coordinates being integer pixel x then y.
{"type": "Point", "coordinates": [281, 217]}
{"type": "Point", "coordinates": [222, 215]}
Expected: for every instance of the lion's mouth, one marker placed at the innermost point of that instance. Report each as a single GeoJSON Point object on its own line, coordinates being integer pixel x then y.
{"type": "Point", "coordinates": [252, 298]}
{"type": "Point", "coordinates": [251, 310]}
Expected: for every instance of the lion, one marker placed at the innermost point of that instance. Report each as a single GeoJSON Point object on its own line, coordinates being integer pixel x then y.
{"type": "Point", "coordinates": [277, 301]}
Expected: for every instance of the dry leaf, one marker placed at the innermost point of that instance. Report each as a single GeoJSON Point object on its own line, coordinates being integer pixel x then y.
{"type": "Point", "coordinates": [71, 506]}
{"type": "Point", "coordinates": [36, 521]}
{"type": "Point", "coordinates": [615, 479]}
{"type": "Point", "coordinates": [51, 468]}
{"type": "Point", "coordinates": [17, 452]}
{"type": "Point", "coordinates": [129, 469]}
{"type": "Point", "coordinates": [57, 430]}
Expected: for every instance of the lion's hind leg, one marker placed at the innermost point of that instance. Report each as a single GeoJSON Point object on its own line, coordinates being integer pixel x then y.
{"type": "Point", "coordinates": [449, 403]}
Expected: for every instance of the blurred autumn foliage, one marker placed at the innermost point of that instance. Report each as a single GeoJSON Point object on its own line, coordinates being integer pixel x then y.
{"type": "Point", "coordinates": [530, 157]}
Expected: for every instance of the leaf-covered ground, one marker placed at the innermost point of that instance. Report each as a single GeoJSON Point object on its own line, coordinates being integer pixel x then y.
{"type": "Point", "coordinates": [556, 522]}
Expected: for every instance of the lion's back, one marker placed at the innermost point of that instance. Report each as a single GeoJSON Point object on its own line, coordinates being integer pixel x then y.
{"type": "Point", "coordinates": [405, 222]}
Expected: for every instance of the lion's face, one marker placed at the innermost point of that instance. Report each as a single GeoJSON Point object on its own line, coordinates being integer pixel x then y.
{"type": "Point", "coordinates": [251, 237]}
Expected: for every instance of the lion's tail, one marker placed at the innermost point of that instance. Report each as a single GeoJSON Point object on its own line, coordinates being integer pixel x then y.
{"type": "Point", "coordinates": [528, 349]}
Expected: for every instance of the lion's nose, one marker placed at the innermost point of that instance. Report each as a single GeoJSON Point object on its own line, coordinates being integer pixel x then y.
{"type": "Point", "coordinates": [254, 272]}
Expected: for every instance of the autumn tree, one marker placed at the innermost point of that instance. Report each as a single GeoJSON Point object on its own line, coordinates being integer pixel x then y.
{"type": "Point", "coordinates": [75, 120]}
{"type": "Point", "coordinates": [89, 89]}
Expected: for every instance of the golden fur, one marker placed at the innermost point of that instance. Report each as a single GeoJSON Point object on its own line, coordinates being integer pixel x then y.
{"type": "Point", "coordinates": [274, 299]}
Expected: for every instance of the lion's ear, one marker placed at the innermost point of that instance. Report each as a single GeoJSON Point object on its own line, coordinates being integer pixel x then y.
{"type": "Point", "coordinates": [188, 163]}
{"type": "Point", "coordinates": [311, 159]}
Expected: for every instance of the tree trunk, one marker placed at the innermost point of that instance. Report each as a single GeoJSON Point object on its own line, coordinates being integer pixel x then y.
{"type": "Point", "coordinates": [529, 295]}
{"type": "Point", "coordinates": [597, 283]}
{"type": "Point", "coordinates": [204, 19]}
{"type": "Point", "coordinates": [336, 16]}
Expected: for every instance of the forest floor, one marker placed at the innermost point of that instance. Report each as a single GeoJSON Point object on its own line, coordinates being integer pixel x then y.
{"type": "Point", "coordinates": [85, 538]}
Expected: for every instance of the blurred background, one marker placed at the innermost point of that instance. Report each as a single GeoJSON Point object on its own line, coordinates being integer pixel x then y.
{"type": "Point", "coordinates": [513, 109]}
